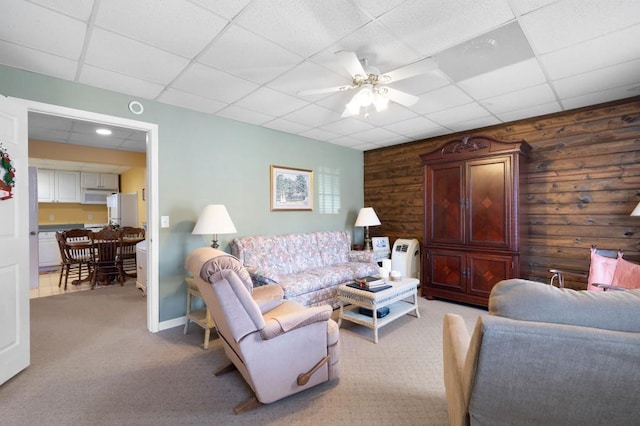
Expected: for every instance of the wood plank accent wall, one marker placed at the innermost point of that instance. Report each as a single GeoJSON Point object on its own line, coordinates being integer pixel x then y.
{"type": "Point", "coordinates": [583, 181]}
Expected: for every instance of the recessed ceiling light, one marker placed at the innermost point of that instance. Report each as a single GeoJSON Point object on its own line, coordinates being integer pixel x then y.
{"type": "Point", "coordinates": [104, 132]}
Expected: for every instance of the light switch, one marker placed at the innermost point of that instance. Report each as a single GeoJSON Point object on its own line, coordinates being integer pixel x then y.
{"type": "Point", "coordinates": [164, 221]}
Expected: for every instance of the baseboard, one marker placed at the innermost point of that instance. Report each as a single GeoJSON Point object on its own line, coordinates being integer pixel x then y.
{"type": "Point", "coordinates": [176, 322]}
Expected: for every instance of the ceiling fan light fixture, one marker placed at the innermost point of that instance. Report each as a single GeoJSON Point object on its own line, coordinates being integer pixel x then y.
{"type": "Point", "coordinates": [380, 100]}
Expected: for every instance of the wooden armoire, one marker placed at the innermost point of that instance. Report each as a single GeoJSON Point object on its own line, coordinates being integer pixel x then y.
{"type": "Point", "coordinates": [473, 229]}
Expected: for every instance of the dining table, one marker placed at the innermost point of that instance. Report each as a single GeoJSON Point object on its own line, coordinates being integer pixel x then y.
{"type": "Point", "coordinates": [86, 244]}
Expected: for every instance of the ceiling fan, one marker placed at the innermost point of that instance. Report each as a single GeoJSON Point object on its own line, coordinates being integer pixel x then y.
{"type": "Point", "coordinates": [372, 83]}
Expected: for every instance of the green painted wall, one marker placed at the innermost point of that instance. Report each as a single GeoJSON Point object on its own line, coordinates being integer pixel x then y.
{"type": "Point", "coordinates": [210, 160]}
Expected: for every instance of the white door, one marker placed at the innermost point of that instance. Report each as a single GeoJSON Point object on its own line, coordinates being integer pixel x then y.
{"type": "Point", "coordinates": [14, 242]}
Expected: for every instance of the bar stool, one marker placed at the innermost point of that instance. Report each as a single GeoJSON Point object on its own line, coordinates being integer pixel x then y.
{"type": "Point", "coordinates": [202, 317]}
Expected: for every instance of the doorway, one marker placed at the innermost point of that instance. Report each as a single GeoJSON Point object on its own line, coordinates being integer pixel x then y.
{"type": "Point", "coordinates": [151, 131]}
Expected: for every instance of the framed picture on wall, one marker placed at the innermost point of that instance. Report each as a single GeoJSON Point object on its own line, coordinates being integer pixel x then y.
{"type": "Point", "coordinates": [291, 189]}
{"type": "Point", "coordinates": [380, 243]}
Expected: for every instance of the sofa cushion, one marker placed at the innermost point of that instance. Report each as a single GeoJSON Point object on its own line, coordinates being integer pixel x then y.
{"type": "Point", "coordinates": [533, 301]}
{"type": "Point", "coordinates": [627, 275]}
{"type": "Point", "coordinates": [335, 247]}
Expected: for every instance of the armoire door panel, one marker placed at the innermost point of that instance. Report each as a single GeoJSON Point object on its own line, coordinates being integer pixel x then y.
{"type": "Point", "coordinates": [446, 223]}
{"type": "Point", "coordinates": [488, 184]}
{"type": "Point", "coordinates": [485, 271]}
{"type": "Point", "coordinates": [446, 269]}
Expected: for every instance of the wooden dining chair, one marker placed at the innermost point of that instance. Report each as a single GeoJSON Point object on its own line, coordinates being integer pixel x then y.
{"type": "Point", "coordinates": [130, 237]}
{"type": "Point", "coordinates": [106, 257]}
{"type": "Point", "coordinates": [76, 256]}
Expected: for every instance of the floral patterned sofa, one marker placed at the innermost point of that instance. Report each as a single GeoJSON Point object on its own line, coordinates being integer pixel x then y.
{"type": "Point", "coordinates": [308, 266]}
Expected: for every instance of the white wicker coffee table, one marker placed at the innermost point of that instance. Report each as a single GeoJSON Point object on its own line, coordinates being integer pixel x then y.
{"type": "Point", "coordinates": [395, 298]}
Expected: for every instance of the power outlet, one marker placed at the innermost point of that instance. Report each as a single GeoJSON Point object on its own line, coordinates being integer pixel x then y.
{"type": "Point", "coordinates": [51, 218]}
{"type": "Point", "coordinates": [90, 217]}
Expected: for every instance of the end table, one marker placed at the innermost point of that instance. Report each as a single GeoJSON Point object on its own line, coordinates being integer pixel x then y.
{"type": "Point", "coordinates": [202, 317]}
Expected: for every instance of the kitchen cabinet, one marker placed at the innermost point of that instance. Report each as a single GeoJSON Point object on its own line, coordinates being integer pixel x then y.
{"type": "Point", "coordinates": [473, 233]}
{"type": "Point", "coordinates": [58, 186]}
{"type": "Point", "coordinates": [48, 250]}
{"type": "Point", "coordinates": [99, 181]}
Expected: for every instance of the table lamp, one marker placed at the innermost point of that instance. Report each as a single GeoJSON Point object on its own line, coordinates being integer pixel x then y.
{"type": "Point", "coordinates": [367, 217]}
{"type": "Point", "coordinates": [215, 220]}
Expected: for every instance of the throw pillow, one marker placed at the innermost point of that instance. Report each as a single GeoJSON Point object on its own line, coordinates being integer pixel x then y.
{"type": "Point", "coordinates": [601, 270]}
{"type": "Point", "coordinates": [627, 275]}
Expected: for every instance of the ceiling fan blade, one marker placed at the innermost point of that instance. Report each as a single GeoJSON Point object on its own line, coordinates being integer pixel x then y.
{"type": "Point", "coordinates": [325, 90]}
{"type": "Point", "coordinates": [399, 96]}
{"type": "Point", "coordinates": [424, 66]}
{"type": "Point", "coordinates": [351, 63]}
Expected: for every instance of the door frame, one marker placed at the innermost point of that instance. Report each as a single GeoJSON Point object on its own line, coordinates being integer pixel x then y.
{"type": "Point", "coordinates": [152, 293]}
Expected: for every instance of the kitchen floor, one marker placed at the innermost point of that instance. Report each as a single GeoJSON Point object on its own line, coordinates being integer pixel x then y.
{"type": "Point", "coordinates": [49, 285]}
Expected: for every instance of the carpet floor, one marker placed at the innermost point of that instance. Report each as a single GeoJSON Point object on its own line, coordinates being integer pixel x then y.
{"type": "Point", "coordinates": [94, 363]}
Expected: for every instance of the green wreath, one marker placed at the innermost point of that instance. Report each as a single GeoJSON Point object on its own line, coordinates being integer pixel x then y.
{"type": "Point", "coordinates": [8, 182]}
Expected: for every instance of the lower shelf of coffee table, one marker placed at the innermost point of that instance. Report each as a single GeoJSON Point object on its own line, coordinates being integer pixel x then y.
{"type": "Point", "coordinates": [396, 310]}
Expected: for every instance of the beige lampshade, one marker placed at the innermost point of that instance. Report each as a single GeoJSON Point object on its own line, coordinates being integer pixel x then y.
{"type": "Point", "coordinates": [636, 211]}
{"type": "Point", "coordinates": [214, 220]}
{"type": "Point", "coordinates": [367, 217]}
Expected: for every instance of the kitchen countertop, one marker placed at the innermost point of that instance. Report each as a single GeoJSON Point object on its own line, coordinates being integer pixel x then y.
{"type": "Point", "coordinates": [60, 227]}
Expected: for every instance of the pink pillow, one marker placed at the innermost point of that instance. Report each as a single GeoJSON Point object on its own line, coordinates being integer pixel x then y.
{"type": "Point", "coordinates": [601, 270]}
{"type": "Point", "coordinates": [627, 275]}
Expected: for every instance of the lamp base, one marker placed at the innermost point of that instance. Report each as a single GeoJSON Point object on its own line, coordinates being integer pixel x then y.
{"type": "Point", "coordinates": [214, 244]}
{"type": "Point", "coordinates": [367, 239]}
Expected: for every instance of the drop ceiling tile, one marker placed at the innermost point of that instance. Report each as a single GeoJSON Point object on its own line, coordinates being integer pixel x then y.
{"type": "Point", "coordinates": [478, 123]}
{"type": "Point", "coordinates": [110, 80]}
{"type": "Point", "coordinates": [533, 111]}
{"type": "Point", "coordinates": [496, 49]}
{"type": "Point", "coordinates": [271, 101]}
{"type": "Point", "coordinates": [392, 141]}
{"type": "Point", "coordinates": [381, 49]}
{"type": "Point", "coordinates": [48, 135]}
{"type": "Point", "coordinates": [79, 9]}
{"type": "Point", "coordinates": [611, 49]}
{"type": "Point", "coordinates": [287, 126]}
{"type": "Point", "coordinates": [156, 24]}
{"type": "Point", "coordinates": [309, 75]}
{"type": "Point", "coordinates": [377, 7]}
{"type": "Point", "coordinates": [601, 96]}
{"type": "Point", "coordinates": [520, 99]}
{"type": "Point", "coordinates": [568, 22]}
{"type": "Point", "coordinates": [242, 53]}
{"type": "Point", "coordinates": [29, 25]}
{"type": "Point", "coordinates": [522, 7]}
{"type": "Point", "coordinates": [313, 116]}
{"type": "Point", "coordinates": [347, 127]}
{"type": "Point", "coordinates": [422, 83]}
{"type": "Point", "coordinates": [466, 112]}
{"type": "Point", "coordinates": [599, 80]}
{"type": "Point", "coordinates": [129, 145]}
{"type": "Point", "coordinates": [347, 141]}
{"type": "Point", "coordinates": [225, 8]}
{"type": "Point", "coordinates": [244, 115]}
{"type": "Point", "coordinates": [441, 99]}
{"type": "Point", "coordinates": [318, 134]}
{"type": "Point", "coordinates": [414, 126]}
{"type": "Point", "coordinates": [432, 29]}
{"type": "Point", "coordinates": [27, 59]}
{"type": "Point", "coordinates": [337, 101]}
{"type": "Point", "coordinates": [190, 101]}
{"type": "Point", "coordinates": [45, 121]}
{"type": "Point", "coordinates": [114, 52]}
{"type": "Point", "coordinates": [303, 26]}
{"type": "Point", "coordinates": [204, 81]}
{"type": "Point", "coordinates": [504, 80]}
{"type": "Point", "coordinates": [375, 134]}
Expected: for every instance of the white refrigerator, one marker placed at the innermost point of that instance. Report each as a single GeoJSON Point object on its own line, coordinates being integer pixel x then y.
{"type": "Point", "coordinates": [122, 209]}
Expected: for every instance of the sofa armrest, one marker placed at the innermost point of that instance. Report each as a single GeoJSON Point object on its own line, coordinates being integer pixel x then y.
{"type": "Point", "coordinates": [282, 324]}
{"type": "Point", "coordinates": [455, 345]}
{"type": "Point", "coordinates": [268, 296]}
